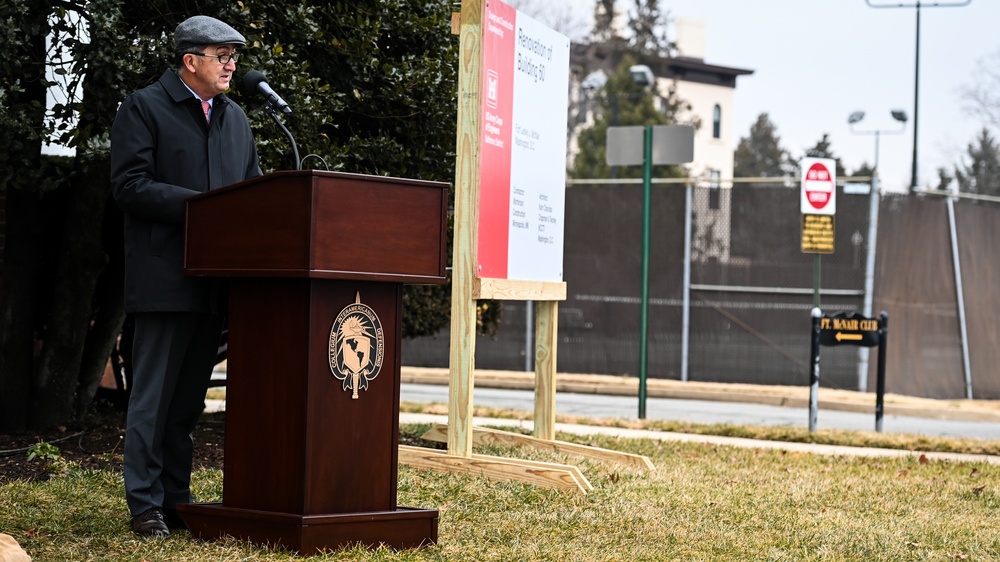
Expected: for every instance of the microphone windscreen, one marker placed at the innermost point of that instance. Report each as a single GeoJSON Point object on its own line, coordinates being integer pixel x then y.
{"type": "Point", "coordinates": [251, 80]}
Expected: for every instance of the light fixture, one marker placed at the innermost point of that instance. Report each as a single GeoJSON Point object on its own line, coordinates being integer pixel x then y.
{"type": "Point", "coordinates": [641, 75]}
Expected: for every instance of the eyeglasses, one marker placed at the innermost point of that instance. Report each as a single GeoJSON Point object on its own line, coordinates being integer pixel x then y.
{"type": "Point", "coordinates": [223, 59]}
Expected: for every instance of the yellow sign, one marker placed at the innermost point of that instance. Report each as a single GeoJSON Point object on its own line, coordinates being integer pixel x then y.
{"type": "Point", "coordinates": [817, 234]}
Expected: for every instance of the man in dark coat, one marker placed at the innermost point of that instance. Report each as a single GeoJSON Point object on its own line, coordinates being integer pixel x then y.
{"type": "Point", "coordinates": [173, 139]}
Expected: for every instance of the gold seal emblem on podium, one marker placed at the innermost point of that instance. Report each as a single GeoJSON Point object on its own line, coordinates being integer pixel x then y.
{"type": "Point", "coordinates": [357, 345]}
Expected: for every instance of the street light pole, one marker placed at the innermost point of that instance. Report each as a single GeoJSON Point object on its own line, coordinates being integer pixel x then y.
{"type": "Point", "coordinates": [916, 105]}
{"type": "Point", "coordinates": [916, 79]}
{"type": "Point", "coordinates": [864, 353]}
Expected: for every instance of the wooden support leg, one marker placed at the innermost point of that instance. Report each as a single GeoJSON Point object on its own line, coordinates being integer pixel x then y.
{"type": "Point", "coordinates": [463, 300]}
{"type": "Point", "coordinates": [546, 341]}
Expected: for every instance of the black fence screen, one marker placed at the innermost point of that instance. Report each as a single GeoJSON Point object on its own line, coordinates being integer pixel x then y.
{"type": "Point", "coordinates": [751, 289]}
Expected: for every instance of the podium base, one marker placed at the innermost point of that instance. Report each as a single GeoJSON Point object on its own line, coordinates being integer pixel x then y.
{"type": "Point", "coordinates": [404, 528]}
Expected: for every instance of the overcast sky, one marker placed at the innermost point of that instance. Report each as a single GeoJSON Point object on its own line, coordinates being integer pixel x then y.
{"type": "Point", "coordinates": [817, 61]}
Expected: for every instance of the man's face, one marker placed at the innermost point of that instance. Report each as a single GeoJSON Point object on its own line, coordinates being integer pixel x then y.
{"type": "Point", "coordinates": [209, 77]}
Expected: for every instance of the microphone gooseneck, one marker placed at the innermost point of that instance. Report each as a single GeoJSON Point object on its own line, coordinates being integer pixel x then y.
{"type": "Point", "coordinates": [255, 81]}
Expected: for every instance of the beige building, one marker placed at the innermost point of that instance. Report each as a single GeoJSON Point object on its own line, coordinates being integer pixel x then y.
{"type": "Point", "coordinates": [708, 89]}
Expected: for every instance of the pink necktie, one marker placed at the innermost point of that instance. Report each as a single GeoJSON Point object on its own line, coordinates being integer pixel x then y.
{"type": "Point", "coordinates": [205, 106]}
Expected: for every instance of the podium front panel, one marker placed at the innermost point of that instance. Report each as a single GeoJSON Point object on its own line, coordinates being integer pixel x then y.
{"type": "Point", "coordinates": [297, 440]}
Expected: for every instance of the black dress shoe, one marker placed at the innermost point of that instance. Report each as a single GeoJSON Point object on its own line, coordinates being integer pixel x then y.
{"type": "Point", "coordinates": [150, 523]}
{"type": "Point", "coordinates": [173, 519]}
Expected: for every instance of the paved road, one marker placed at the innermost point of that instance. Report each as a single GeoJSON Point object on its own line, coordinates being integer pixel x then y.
{"type": "Point", "coordinates": [700, 411]}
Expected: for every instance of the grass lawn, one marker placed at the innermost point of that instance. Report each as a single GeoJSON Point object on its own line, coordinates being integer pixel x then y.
{"type": "Point", "coordinates": [703, 502]}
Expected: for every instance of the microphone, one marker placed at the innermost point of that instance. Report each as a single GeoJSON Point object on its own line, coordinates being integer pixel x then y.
{"type": "Point", "coordinates": [255, 81]}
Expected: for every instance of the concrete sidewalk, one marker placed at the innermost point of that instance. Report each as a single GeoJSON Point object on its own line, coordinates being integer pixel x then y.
{"type": "Point", "coordinates": [796, 397]}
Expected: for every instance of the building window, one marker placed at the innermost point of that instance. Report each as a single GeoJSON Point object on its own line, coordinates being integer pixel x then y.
{"type": "Point", "coordinates": [717, 122]}
{"type": "Point", "coordinates": [714, 177]}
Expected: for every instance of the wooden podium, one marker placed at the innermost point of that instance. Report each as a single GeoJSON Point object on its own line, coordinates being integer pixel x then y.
{"type": "Point", "coordinates": [316, 262]}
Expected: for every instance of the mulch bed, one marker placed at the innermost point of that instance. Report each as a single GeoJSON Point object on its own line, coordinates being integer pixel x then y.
{"type": "Point", "coordinates": [98, 445]}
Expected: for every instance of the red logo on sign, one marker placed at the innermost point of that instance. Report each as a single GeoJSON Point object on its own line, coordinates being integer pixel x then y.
{"type": "Point", "coordinates": [818, 185]}
{"type": "Point", "coordinates": [492, 88]}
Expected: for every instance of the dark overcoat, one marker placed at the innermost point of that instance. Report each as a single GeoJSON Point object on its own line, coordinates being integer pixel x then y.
{"type": "Point", "coordinates": [162, 152]}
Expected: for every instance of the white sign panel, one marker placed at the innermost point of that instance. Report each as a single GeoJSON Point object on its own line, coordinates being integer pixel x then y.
{"type": "Point", "coordinates": [538, 159]}
{"type": "Point", "coordinates": [523, 151]}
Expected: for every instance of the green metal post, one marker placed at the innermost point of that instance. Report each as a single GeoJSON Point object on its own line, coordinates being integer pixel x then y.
{"type": "Point", "coordinates": [816, 280]}
{"type": "Point", "coordinates": [647, 180]}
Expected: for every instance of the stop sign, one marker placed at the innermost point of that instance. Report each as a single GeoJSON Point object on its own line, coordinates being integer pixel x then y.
{"type": "Point", "coordinates": [819, 186]}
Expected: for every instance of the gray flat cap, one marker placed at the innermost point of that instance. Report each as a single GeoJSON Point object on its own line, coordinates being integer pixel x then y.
{"type": "Point", "coordinates": [197, 31]}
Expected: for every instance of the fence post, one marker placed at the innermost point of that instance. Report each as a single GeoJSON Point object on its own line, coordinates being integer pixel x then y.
{"type": "Point", "coordinates": [686, 306]}
{"type": "Point", "coordinates": [864, 353]}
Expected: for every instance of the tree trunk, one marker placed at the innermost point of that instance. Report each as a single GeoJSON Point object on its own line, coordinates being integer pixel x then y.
{"type": "Point", "coordinates": [109, 313]}
{"type": "Point", "coordinates": [22, 266]}
{"type": "Point", "coordinates": [19, 300]}
{"type": "Point", "coordinates": [81, 259]}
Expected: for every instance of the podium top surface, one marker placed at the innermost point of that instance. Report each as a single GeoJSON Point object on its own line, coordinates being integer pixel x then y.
{"type": "Point", "coordinates": [319, 224]}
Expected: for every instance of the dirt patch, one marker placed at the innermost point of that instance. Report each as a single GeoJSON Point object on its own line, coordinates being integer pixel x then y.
{"type": "Point", "coordinates": [98, 445]}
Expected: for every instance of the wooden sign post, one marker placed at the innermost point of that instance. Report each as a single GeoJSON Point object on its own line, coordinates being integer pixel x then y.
{"type": "Point", "coordinates": [499, 213]}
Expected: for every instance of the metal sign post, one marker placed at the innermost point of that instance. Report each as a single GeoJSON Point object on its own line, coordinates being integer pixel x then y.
{"type": "Point", "coordinates": [817, 314]}
{"type": "Point", "coordinates": [883, 337]}
{"type": "Point", "coordinates": [660, 144]}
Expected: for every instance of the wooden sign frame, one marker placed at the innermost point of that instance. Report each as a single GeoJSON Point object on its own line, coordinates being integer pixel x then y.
{"type": "Point", "coordinates": [468, 288]}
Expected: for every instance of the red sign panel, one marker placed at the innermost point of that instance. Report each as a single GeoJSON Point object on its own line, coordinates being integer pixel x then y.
{"type": "Point", "coordinates": [819, 186]}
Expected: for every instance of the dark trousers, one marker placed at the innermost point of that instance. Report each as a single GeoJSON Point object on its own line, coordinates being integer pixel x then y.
{"type": "Point", "coordinates": [173, 357]}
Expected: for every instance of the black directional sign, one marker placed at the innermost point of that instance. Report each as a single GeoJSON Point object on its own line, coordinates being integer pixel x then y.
{"type": "Point", "coordinates": [846, 328]}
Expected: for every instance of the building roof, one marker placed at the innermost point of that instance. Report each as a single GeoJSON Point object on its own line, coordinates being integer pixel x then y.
{"type": "Point", "coordinates": [606, 56]}
{"type": "Point", "coordinates": [696, 70]}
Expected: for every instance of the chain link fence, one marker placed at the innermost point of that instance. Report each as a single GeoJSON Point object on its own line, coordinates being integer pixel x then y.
{"type": "Point", "coordinates": [740, 311]}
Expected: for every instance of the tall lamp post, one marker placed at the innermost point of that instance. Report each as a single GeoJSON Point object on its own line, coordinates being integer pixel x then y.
{"type": "Point", "coordinates": [916, 80]}
{"type": "Point", "coordinates": [900, 116]}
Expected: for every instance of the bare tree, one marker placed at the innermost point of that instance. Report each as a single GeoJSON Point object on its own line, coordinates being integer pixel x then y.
{"type": "Point", "coordinates": [982, 99]}
{"type": "Point", "coordinates": [604, 21]}
{"type": "Point", "coordinates": [649, 28]}
{"type": "Point", "coordinates": [559, 16]}
{"type": "Point", "coordinates": [977, 171]}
